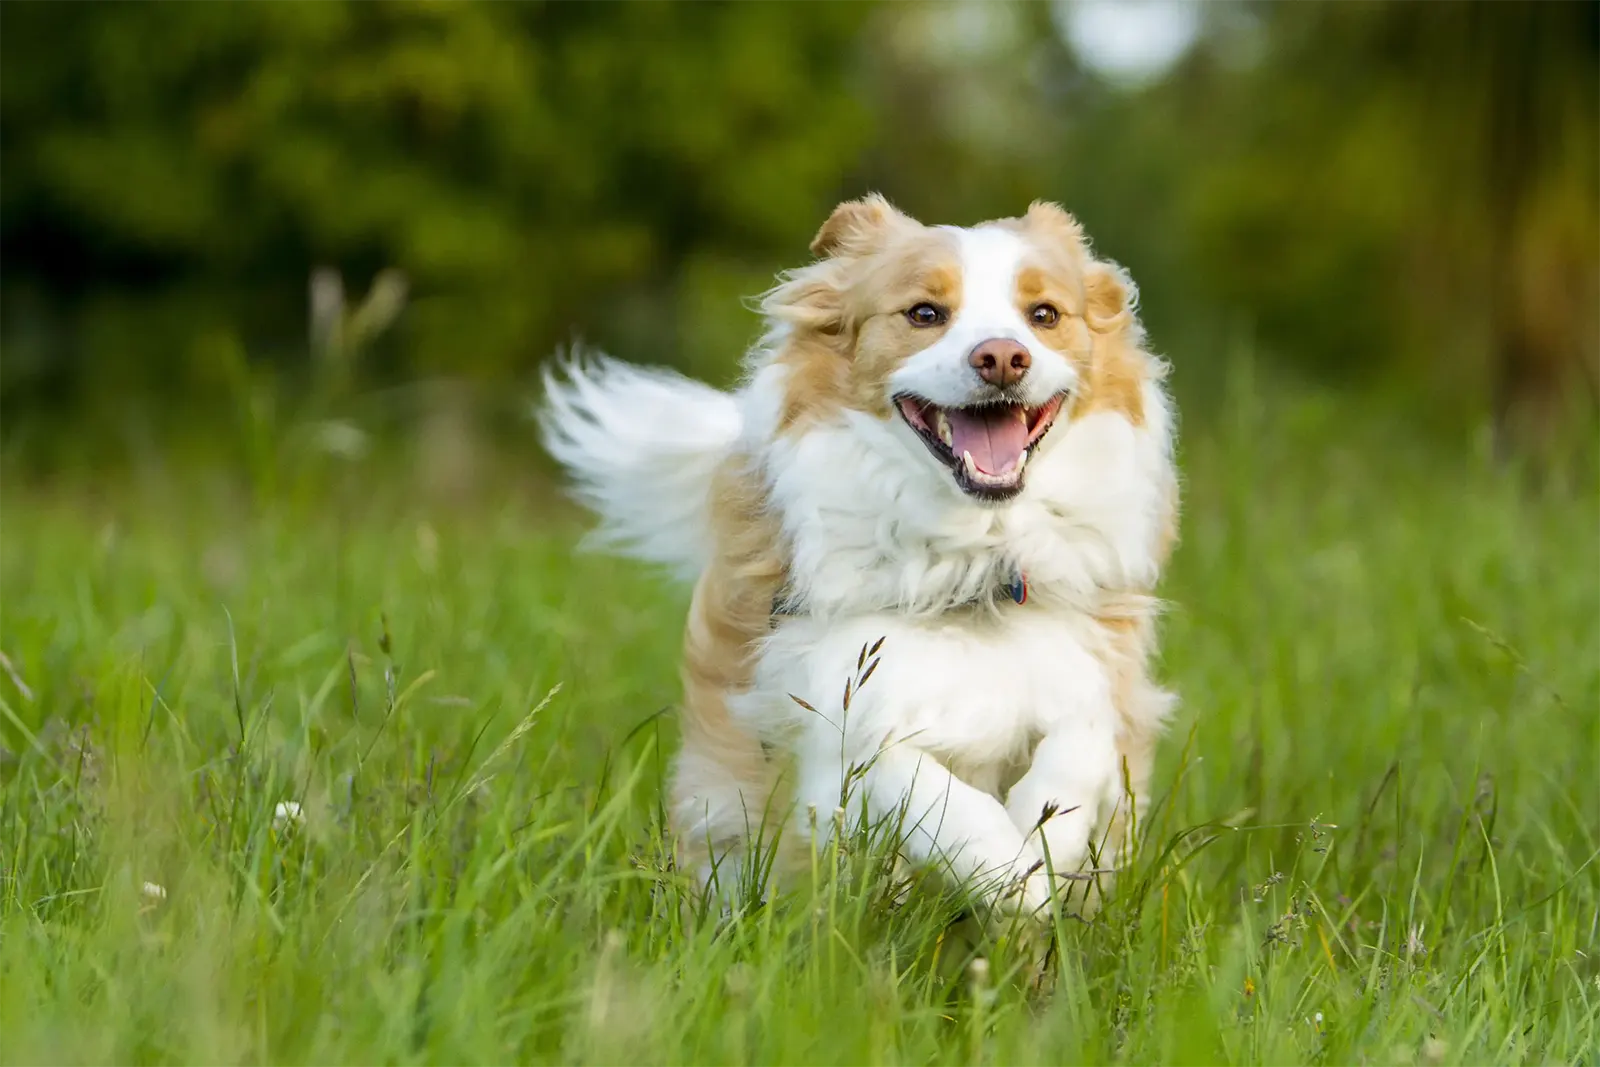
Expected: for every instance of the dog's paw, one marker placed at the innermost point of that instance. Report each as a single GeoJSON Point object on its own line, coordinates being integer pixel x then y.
{"type": "Point", "coordinates": [1044, 892]}
{"type": "Point", "coordinates": [1063, 831]}
{"type": "Point", "coordinates": [1025, 892]}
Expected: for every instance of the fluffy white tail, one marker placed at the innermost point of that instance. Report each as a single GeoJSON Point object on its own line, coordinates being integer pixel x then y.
{"type": "Point", "coordinates": [642, 445]}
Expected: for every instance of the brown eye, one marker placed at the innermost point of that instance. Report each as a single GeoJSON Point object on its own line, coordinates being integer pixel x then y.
{"type": "Point", "coordinates": [1044, 315]}
{"type": "Point", "coordinates": [925, 315]}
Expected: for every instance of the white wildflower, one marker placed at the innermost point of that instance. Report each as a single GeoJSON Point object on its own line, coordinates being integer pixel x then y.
{"type": "Point", "coordinates": [287, 816]}
{"type": "Point", "coordinates": [153, 892]}
{"type": "Point", "coordinates": [427, 547]}
{"type": "Point", "coordinates": [343, 439]}
{"type": "Point", "coordinates": [1416, 948]}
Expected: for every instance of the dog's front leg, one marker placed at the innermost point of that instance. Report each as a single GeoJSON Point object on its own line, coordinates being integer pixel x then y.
{"type": "Point", "coordinates": [1059, 798]}
{"type": "Point", "coordinates": [940, 820]}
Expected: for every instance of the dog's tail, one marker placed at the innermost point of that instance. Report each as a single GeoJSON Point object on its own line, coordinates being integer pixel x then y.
{"type": "Point", "coordinates": [642, 446]}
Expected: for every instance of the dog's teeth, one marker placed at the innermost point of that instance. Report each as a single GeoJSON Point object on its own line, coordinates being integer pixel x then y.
{"type": "Point", "coordinates": [1007, 477]}
{"type": "Point", "coordinates": [941, 425]}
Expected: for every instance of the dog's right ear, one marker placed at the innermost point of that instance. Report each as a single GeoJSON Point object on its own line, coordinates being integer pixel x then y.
{"type": "Point", "coordinates": [857, 226]}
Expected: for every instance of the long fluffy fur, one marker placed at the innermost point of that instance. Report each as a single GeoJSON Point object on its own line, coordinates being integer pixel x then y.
{"type": "Point", "coordinates": [998, 732]}
{"type": "Point", "coordinates": [642, 446]}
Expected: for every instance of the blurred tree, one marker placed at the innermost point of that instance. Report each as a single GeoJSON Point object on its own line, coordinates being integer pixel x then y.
{"type": "Point", "coordinates": [1536, 70]}
{"type": "Point", "coordinates": [174, 170]}
{"type": "Point", "coordinates": [966, 128]}
{"type": "Point", "coordinates": [1399, 193]}
{"type": "Point", "coordinates": [1396, 191]}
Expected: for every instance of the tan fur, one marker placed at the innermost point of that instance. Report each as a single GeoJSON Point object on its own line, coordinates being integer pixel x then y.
{"type": "Point", "coordinates": [731, 610]}
{"type": "Point", "coordinates": [1130, 640]}
{"type": "Point", "coordinates": [1118, 368]}
{"type": "Point", "coordinates": [1036, 284]}
{"type": "Point", "coordinates": [817, 386]}
{"type": "Point", "coordinates": [1043, 217]}
{"type": "Point", "coordinates": [850, 331]}
{"type": "Point", "coordinates": [856, 224]}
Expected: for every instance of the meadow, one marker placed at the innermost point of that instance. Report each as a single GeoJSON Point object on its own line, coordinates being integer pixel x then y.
{"type": "Point", "coordinates": [308, 766]}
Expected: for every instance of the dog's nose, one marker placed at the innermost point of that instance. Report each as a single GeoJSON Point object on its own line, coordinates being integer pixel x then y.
{"type": "Point", "coordinates": [1000, 362]}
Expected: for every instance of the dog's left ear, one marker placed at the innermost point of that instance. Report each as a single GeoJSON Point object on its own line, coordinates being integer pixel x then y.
{"type": "Point", "coordinates": [1053, 220]}
{"type": "Point", "coordinates": [857, 226]}
{"type": "Point", "coordinates": [1109, 296]}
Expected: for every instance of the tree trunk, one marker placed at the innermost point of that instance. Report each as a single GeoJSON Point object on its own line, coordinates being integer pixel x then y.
{"type": "Point", "coordinates": [1542, 277]}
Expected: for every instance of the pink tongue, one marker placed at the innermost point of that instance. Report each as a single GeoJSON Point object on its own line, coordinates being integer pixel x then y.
{"type": "Point", "coordinates": [995, 436]}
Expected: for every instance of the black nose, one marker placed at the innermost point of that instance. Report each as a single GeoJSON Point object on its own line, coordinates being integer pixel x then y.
{"type": "Point", "coordinates": [1000, 362]}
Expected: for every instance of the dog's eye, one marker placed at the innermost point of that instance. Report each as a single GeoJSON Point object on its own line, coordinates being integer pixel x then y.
{"type": "Point", "coordinates": [1044, 315]}
{"type": "Point", "coordinates": [925, 315]}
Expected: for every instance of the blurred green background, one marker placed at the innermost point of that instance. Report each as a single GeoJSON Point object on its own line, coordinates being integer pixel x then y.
{"type": "Point", "coordinates": [275, 283]}
{"type": "Point", "coordinates": [210, 211]}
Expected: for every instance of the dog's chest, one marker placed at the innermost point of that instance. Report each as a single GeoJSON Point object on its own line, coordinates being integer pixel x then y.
{"type": "Point", "coordinates": [977, 689]}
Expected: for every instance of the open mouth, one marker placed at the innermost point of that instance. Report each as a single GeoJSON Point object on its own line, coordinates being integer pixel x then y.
{"type": "Point", "coordinates": [987, 445]}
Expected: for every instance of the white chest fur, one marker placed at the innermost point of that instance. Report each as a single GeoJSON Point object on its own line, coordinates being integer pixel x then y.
{"type": "Point", "coordinates": [975, 688]}
{"type": "Point", "coordinates": [873, 526]}
{"type": "Point", "coordinates": [971, 730]}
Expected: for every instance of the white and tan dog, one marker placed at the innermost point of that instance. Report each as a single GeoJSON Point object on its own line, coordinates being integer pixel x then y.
{"type": "Point", "coordinates": [949, 439]}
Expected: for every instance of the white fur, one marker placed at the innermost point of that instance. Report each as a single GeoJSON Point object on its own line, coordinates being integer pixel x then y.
{"type": "Point", "coordinates": [979, 719]}
{"type": "Point", "coordinates": [642, 445]}
{"type": "Point", "coordinates": [885, 546]}
{"type": "Point", "coordinates": [952, 701]}
{"type": "Point", "coordinates": [874, 524]}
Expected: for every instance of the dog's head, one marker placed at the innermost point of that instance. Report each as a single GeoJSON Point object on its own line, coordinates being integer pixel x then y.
{"type": "Point", "coordinates": [975, 342]}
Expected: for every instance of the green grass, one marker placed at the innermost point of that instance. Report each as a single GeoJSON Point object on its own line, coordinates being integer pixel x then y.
{"type": "Point", "coordinates": [1373, 837]}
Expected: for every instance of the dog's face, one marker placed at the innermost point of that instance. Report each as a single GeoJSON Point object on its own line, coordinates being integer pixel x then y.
{"type": "Point", "coordinates": [973, 342]}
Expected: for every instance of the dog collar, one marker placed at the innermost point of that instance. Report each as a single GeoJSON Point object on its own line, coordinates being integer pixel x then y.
{"type": "Point", "coordinates": [1015, 590]}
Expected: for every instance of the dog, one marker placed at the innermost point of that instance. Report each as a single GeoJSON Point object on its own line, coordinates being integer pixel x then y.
{"type": "Point", "coordinates": [945, 488]}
